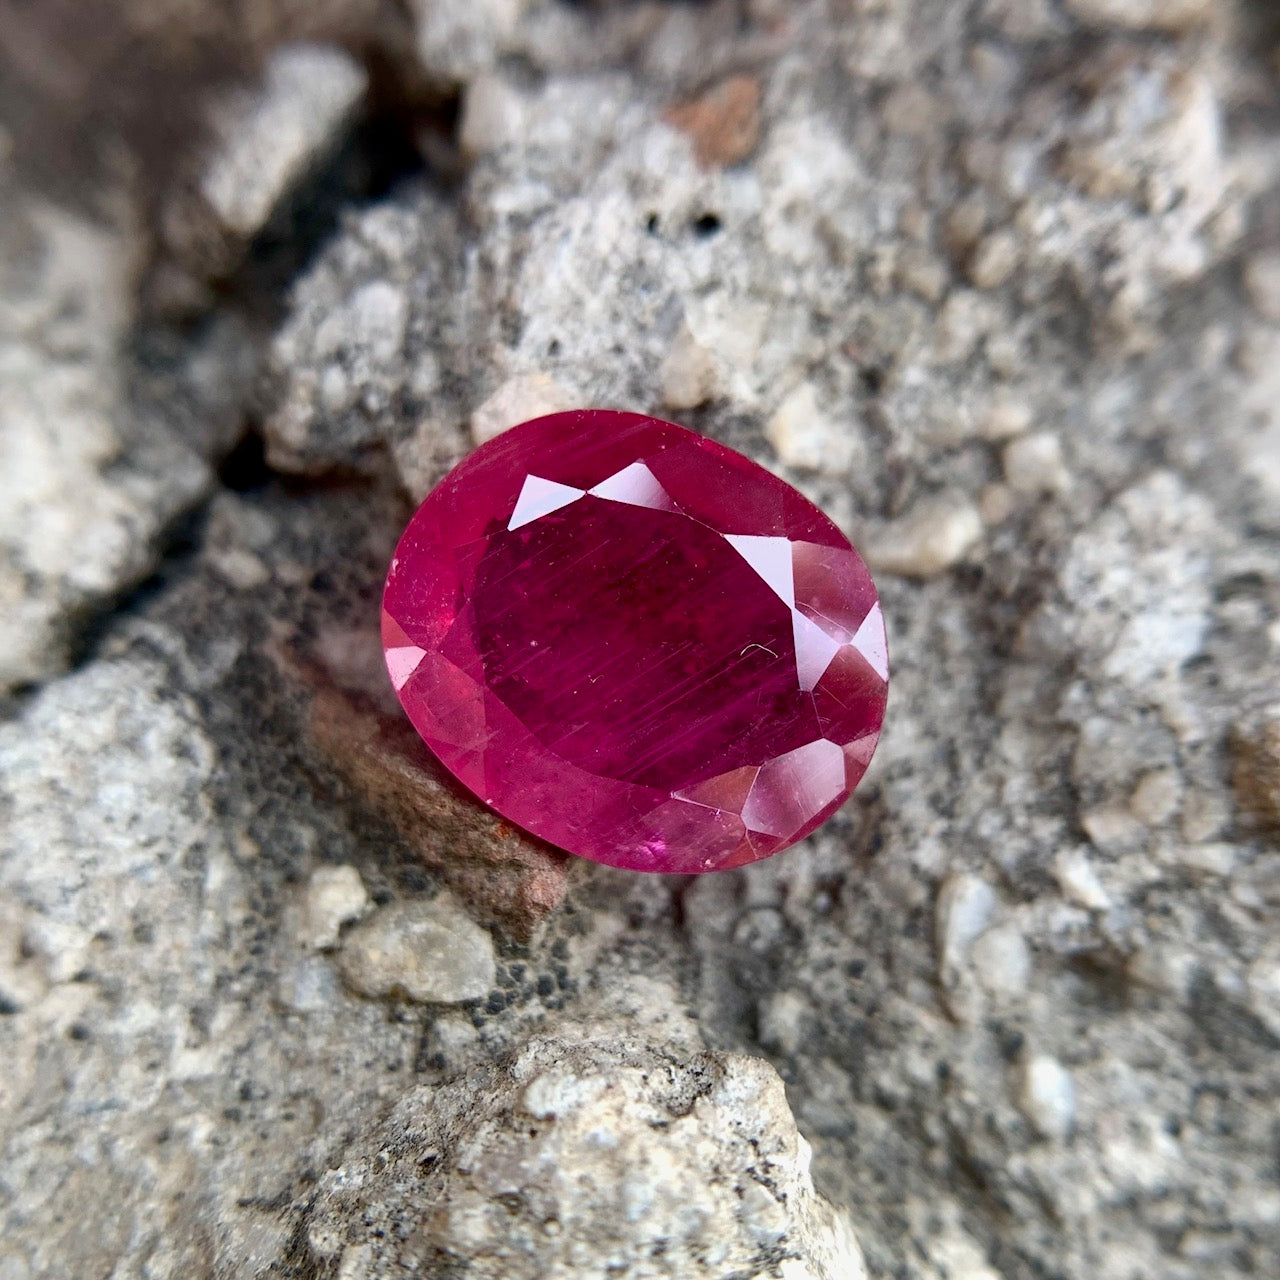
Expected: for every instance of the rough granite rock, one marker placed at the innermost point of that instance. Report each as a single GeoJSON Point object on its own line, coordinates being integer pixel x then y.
{"type": "Point", "coordinates": [580, 1157]}
{"type": "Point", "coordinates": [264, 143]}
{"type": "Point", "coordinates": [93, 476]}
{"type": "Point", "coordinates": [995, 285]}
{"type": "Point", "coordinates": [357, 363]}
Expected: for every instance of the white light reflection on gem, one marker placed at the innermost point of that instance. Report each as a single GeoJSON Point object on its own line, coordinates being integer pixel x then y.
{"type": "Point", "coordinates": [540, 498]}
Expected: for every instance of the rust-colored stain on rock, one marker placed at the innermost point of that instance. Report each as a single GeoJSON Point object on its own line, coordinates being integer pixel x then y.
{"type": "Point", "coordinates": [724, 123]}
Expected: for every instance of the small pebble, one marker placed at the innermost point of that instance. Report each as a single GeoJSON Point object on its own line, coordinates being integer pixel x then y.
{"type": "Point", "coordinates": [1002, 960]}
{"type": "Point", "coordinates": [965, 905]}
{"type": "Point", "coordinates": [806, 438]}
{"type": "Point", "coordinates": [517, 400]}
{"type": "Point", "coordinates": [240, 567]}
{"type": "Point", "coordinates": [1033, 464]}
{"type": "Point", "coordinates": [427, 950]}
{"type": "Point", "coordinates": [335, 896]}
{"type": "Point", "coordinates": [688, 374]}
{"type": "Point", "coordinates": [965, 224]}
{"type": "Point", "coordinates": [781, 1018]}
{"type": "Point", "coordinates": [1079, 881]}
{"type": "Point", "coordinates": [375, 320]}
{"type": "Point", "coordinates": [996, 503]}
{"type": "Point", "coordinates": [1046, 1095]}
{"type": "Point", "coordinates": [928, 540]}
{"type": "Point", "coordinates": [922, 273]}
{"type": "Point", "coordinates": [1113, 829]}
{"type": "Point", "coordinates": [995, 260]}
{"type": "Point", "coordinates": [913, 111]}
{"type": "Point", "coordinates": [1155, 798]}
{"type": "Point", "coordinates": [1214, 858]}
{"type": "Point", "coordinates": [1006, 355]}
{"type": "Point", "coordinates": [1007, 417]}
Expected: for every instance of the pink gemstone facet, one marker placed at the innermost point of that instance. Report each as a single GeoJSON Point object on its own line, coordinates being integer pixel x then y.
{"type": "Point", "coordinates": [636, 643]}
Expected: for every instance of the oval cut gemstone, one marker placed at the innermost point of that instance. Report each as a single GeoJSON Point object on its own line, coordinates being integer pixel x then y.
{"type": "Point", "coordinates": [636, 643]}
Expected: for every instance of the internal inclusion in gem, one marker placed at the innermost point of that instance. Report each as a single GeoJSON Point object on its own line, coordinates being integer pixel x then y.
{"type": "Point", "coordinates": [637, 644]}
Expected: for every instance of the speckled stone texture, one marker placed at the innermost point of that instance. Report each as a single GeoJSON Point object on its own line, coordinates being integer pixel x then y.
{"type": "Point", "coordinates": [584, 1153]}
{"type": "Point", "coordinates": [993, 283]}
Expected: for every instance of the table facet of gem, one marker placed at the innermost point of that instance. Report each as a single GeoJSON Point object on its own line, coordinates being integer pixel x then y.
{"type": "Point", "coordinates": [637, 644]}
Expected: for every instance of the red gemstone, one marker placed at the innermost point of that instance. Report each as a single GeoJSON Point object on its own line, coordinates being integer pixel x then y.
{"type": "Point", "coordinates": [636, 643]}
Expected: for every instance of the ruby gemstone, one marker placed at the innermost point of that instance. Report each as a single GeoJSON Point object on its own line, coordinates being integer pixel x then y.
{"type": "Point", "coordinates": [637, 644]}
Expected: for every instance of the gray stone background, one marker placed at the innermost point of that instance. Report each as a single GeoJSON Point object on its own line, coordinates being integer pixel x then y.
{"type": "Point", "coordinates": [995, 281]}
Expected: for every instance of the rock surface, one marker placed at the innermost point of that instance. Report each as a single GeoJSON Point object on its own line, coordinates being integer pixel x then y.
{"type": "Point", "coordinates": [580, 1157]}
{"type": "Point", "coordinates": [266, 142]}
{"type": "Point", "coordinates": [996, 285]}
{"type": "Point", "coordinates": [428, 951]}
{"type": "Point", "coordinates": [87, 489]}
